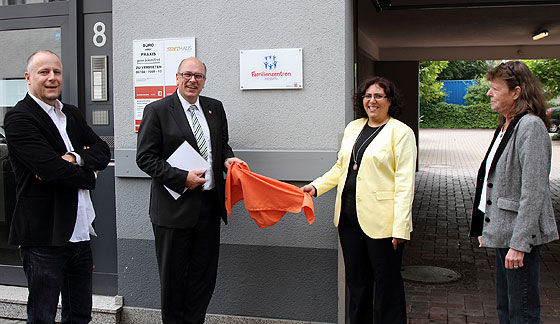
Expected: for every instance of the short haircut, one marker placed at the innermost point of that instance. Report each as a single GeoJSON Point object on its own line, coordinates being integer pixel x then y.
{"type": "Point", "coordinates": [188, 58]}
{"type": "Point", "coordinates": [30, 58]}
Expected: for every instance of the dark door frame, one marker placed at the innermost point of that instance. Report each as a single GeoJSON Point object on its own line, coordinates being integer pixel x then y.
{"type": "Point", "coordinates": [63, 14]}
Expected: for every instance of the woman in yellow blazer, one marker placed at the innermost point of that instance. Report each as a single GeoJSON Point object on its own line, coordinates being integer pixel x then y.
{"type": "Point", "coordinates": [374, 176]}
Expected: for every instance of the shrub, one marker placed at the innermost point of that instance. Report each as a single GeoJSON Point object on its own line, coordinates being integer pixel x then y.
{"type": "Point", "coordinates": [429, 86]}
{"type": "Point", "coordinates": [444, 115]}
{"type": "Point", "coordinates": [476, 94]}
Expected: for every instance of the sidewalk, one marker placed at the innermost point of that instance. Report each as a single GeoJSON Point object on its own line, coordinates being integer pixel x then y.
{"type": "Point", "coordinates": [448, 162]}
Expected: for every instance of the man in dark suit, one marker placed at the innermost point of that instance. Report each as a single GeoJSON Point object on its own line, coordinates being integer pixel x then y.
{"type": "Point", "coordinates": [186, 230]}
{"type": "Point", "coordinates": [55, 156]}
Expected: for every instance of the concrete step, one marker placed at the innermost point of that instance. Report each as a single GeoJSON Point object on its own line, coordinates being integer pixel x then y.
{"type": "Point", "coordinates": [110, 310]}
{"type": "Point", "coordinates": [13, 300]}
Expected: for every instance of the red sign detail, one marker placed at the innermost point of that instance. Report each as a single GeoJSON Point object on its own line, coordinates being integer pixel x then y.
{"type": "Point", "coordinates": [170, 89]}
{"type": "Point", "coordinates": [154, 92]}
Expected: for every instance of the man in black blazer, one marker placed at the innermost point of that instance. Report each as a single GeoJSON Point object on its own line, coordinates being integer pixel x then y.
{"type": "Point", "coordinates": [55, 156]}
{"type": "Point", "coordinates": [186, 230]}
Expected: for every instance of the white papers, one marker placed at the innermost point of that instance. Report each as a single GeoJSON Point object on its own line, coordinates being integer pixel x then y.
{"type": "Point", "coordinates": [186, 158]}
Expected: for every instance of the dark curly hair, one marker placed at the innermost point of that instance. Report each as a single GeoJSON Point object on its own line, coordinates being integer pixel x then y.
{"type": "Point", "coordinates": [391, 91]}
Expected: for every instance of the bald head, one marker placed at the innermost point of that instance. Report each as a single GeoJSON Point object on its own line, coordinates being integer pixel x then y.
{"type": "Point", "coordinates": [194, 59]}
{"type": "Point", "coordinates": [191, 78]}
{"type": "Point", "coordinates": [32, 59]}
{"type": "Point", "coordinates": [44, 76]}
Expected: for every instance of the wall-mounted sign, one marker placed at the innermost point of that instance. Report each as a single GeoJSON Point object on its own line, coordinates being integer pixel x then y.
{"type": "Point", "coordinates": [280, 68]}
{"type": "Point", "coordinates": [155, 66]}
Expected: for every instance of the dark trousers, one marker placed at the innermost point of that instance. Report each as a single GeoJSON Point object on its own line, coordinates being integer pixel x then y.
{"type": "Point", "coordinates": [51, 271]}
{"type": "Point", "coordinates": [372, 263]}
{"type": "Point", "coordinates": [517, 290]}
{"type": "Point", "coordinates": [188, 264]}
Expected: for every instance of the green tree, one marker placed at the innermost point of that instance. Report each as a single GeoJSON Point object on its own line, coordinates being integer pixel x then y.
{"type": "Point", "coordinates": [464, 70]}
{"type": "Point", "coordinates": [476, 95]}
{"type": "Point", "coordinates": [430, 87]}
{"type": "Point", "coordinates": [548, 71]}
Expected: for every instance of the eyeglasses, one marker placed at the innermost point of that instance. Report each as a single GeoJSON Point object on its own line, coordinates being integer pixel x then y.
{"type": "Point", "coordinates": [188, 75]}
{"type": "Point", "coordinates": [376, 96]}
{"type": "Point", "coordinates": [505, 65]}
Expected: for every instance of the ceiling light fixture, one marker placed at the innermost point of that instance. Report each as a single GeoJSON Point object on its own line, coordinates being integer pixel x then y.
{"type": "Point", "coordinates": [381, 5]}
{"type": "Point", "coordinates": [541, 34]}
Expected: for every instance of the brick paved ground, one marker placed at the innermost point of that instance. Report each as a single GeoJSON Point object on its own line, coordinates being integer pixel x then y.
{"type": "Point", "coordinates": [448, 162]}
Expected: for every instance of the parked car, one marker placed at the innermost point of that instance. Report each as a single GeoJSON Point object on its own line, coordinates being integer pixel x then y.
{"type": "Point", "coordinates": [554, 116]}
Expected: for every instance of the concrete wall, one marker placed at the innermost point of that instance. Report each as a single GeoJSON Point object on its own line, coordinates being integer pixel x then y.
{"type": "Point", "coordinates": [290, 270]}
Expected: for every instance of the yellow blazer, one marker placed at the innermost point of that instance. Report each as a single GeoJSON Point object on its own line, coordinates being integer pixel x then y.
{"type": "Point", "coordinates": [385, 181]}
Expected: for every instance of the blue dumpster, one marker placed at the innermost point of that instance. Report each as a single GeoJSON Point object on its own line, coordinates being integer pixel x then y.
{"type": "Point", "coordinates": [455, 90]}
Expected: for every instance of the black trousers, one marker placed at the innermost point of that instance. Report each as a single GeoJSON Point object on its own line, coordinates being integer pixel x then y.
{"type": "Point", "coordinates": [188, 264]}
{"type": "Point", "coordinates": [372, 264]}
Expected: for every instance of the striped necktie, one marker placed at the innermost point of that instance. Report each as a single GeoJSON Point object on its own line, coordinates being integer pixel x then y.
{"type": "Point", "coordinates": [198, 133]}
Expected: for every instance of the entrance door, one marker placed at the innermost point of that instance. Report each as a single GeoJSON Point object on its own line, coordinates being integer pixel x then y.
{"type": "Point", "coordinates": [25, 27]}
{"type": "Point", "coordinates": [12, 89]}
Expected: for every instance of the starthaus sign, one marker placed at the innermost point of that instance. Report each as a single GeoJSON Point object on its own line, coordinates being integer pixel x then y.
{"type": "Point", "coordinates": [271, 69]}
{"type": "Point", "coordinates": [155, 66]}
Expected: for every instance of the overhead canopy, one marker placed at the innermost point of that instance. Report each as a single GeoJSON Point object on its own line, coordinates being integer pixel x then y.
{"type": "Point", "coordinates": [421, 30]}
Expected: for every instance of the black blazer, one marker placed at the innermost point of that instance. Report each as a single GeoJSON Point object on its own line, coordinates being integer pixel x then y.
{"type": "Point", "coordinates": [163, 129]}
{"type": "Point", "coordinates": [46, 208]}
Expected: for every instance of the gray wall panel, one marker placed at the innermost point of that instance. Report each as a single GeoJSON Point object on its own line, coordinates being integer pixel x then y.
{"type": "Point", "coordinates": [90, 21]}
{"type": "Point", "coordinates": [133, 198]}
{"type": "Point", "coordinates": [260, 281]}
{"type": "Point", "coordinates": [292, 230]}
{"type": "Point", "coordinates": [97, 6]}
{"type": "Point", "coordinates": [277, 282]}
{"type": "Point", "coordinates": [286, 165]}
{"type": "Point", "coordinates": [138, 273]}
{"type": "Point", "coordinates": [104, 246]}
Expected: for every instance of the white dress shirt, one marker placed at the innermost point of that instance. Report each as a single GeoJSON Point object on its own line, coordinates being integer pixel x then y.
{"type": "Point", "coordinates": [209, 175]}
{"type": "Point", "coordinates": [86, 213]}
{"type": "Point", "coordinates": [489, 160]}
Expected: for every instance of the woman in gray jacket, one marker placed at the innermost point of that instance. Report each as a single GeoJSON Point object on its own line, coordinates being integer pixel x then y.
{"type": "Point", "coordinates": [512, 208]}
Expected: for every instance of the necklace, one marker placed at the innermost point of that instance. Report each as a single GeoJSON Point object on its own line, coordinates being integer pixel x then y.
{"type": "Point", "coordinates": [355, 153]}
{"type": "Point", "coordinates": [502, 132]}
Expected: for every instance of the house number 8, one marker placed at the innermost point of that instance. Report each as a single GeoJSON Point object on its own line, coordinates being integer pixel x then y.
{"type": "Point", "coordinates": [99, 37]}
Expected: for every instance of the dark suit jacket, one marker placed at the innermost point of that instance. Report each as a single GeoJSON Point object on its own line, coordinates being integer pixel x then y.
{"type": "Point", "coordinates": [46, 208]}
{"type": "Point", "coordinates": [163, 129]}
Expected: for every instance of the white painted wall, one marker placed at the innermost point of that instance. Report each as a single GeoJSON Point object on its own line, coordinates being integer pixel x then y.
{"type": "Point", "coordinates": [312, 118]}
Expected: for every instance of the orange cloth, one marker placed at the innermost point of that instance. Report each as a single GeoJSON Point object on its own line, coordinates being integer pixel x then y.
{"type": "Point", "coordinates": [266, 199]}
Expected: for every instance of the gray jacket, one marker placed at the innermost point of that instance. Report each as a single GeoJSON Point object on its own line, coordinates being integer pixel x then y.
{"type": "Point", "coordinates": [519, 212]}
